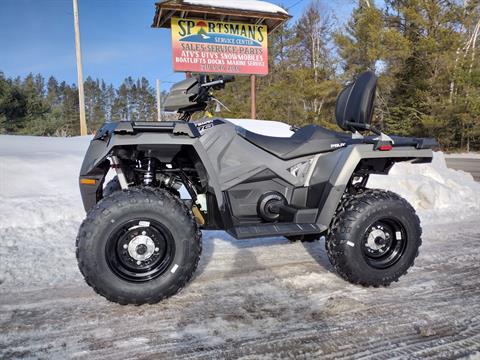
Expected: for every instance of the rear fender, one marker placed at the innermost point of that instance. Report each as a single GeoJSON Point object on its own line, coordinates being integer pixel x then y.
{"type": "Point", "coordinates": [347, 164]}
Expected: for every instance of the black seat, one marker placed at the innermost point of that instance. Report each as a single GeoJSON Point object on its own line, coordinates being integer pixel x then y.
{"type": "Point", "coordinates": [354, 111]}
{"type": "Point", "coordinates": [311, 139]}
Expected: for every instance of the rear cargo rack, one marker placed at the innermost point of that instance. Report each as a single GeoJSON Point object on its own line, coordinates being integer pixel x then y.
{"type": "Point", "coordinates": [175, 127]}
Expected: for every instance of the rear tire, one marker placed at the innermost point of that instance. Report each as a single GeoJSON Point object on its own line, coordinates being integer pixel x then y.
{"type": "Point", "coordinates": [138, 246]}
{"type": "Point", "coordinates": [374, 238]}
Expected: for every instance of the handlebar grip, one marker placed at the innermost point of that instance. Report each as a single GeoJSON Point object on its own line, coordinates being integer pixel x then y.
{"type": "Point", "coordinates": [228, 78]}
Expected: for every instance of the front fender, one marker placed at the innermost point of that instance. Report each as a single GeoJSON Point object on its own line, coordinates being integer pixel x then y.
{"type": "Point", "coordinates": [112, 136]}
{"type": "Point", "coordinates": [93, 171]}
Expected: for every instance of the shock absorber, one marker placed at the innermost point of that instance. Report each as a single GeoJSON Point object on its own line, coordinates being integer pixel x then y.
{"type": "Point", "coordinates": [149, 168]}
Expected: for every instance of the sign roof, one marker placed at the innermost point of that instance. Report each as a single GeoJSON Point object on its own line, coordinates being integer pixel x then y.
{"type": "Point", "coordinates": [246, 11]}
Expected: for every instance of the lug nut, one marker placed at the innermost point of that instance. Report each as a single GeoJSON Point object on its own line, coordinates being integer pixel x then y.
{"type": "Point", "coordinates": [125, 246]}
{"type": "Point", "coordinates": [144, 233]}
{"type": "Point", "coordinates": [139, 262]}
{"type": "Point", "coordinates": [157, 249]}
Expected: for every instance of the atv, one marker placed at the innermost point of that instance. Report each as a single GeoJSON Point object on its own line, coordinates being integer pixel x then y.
{"type": "Point", "coordinates": [141, 241]}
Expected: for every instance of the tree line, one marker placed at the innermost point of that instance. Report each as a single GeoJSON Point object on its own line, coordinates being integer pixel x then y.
{"type": "Point", "coordinates": [425, 53]}
{"type": "Point", "coordinates": [34, 106]}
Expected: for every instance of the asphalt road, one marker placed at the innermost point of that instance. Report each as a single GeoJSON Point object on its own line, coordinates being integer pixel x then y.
{"type": "Point", "coordinates": [471, 166]}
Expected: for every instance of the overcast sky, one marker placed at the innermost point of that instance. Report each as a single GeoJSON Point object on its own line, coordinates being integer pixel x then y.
{"type": "Point", "coordinates": [117, 40]}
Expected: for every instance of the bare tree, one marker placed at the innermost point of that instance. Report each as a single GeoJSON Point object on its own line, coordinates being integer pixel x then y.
{"type": "Point", "coordinates": [314, 30]}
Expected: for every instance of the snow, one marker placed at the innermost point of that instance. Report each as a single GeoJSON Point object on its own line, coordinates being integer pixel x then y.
{"type": "Point", "coordinates": [249, 5]}
{"type": "Point", "coordinates": [38, 180]}
{"type": "Point", "coordinates": [439, 194]}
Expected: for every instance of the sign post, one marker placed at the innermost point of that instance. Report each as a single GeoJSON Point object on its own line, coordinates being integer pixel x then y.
{"type": "Point", "coordinates": [253, 96]}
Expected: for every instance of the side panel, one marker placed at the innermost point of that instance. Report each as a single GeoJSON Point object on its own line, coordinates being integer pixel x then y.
{"type": "Point", "coordinates": [245, 172]}
{"type": "Point", "coordinates": [235, 159]}
{"type": "Point", "coordinates": [244, 198]}
{"type": "Point", "coordinates": [317, 183]}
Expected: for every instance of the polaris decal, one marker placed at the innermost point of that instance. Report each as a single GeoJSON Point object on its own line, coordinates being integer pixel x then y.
{"type": "Point", "coordinates": [204, 126]}
{"type": "Point", "coordinates": [336, 146]}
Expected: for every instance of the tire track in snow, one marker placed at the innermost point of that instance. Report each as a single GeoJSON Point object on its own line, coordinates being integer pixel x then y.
{"type": "Point", "coordinates": [263, 298]}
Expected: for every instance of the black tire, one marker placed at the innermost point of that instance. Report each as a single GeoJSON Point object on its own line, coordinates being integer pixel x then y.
{"type": "Point", "coordinates": [111, 187]}
{"type": "Point", "coordinates": [374, 238]}
{"type": "Point", "coordinates": [123, 217]}
{"type": "Point", "coordinates": [304, 238]}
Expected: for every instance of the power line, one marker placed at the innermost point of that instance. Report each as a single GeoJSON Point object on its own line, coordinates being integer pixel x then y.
{"type": "Point", "coordinates": [294, 4]}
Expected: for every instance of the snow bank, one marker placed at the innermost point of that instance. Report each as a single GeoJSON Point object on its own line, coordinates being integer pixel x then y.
{"type": "Point", "coordinates": [439, 194]}
{"type": "Point", "coordinates": [39, 180]}
{"type": "Point", "coordinates": [40, 210]}
{"type": "Point", "coordinates": [249, 5]}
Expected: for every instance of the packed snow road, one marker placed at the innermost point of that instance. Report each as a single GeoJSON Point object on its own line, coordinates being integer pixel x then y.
{"type": "Point", "coordinates": [264, 298]}
{"type": "Point", "coordinates": [249, 299]}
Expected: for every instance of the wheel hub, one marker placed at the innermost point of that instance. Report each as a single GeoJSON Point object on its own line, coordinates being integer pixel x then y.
{"type": "Point", "coordinates": [140, 250]}
{"type": "Point", "coordinates": [141, 247]}
{"type": "Point", "coordinates": [377, 239]}
{"type": "Point", "coordinates": [384, 243]}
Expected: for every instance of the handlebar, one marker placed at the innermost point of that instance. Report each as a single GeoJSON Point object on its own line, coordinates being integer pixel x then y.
{"type": "Point", "coordinates": [195, 94]}
{"type": "Point", "coordinates": [228, 78]}
{"type": "Point", "coordinates": [219, 80]}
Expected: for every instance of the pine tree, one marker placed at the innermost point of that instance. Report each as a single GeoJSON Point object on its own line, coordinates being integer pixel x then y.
{"type": "Point", "coordinates": [361, 44]}
{"type": "Point", "coordinates": [13, 107]}
{"type": "Point", "coordinates": [421, 80]}
{"type": "Point", "coordinates": [53, 95]}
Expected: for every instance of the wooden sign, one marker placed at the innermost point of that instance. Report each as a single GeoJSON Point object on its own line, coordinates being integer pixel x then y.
{"type": "Point", "coordinates": [206, 46]}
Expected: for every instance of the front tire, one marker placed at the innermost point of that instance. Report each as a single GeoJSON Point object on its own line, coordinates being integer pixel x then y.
{"type": "Point", "coordinates": [374, 238]}
{"type": "Point", "coordinates": [138, 246]}
{"type": "Point", "coordinates": [111, 187]}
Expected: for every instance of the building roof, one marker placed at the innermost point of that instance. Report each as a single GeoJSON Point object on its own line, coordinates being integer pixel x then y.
{"type": "Point", "coordinates": [250, 11]}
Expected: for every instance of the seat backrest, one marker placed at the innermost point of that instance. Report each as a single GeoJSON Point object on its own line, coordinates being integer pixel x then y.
{"type": "Point", "coordinates": [354, 108]}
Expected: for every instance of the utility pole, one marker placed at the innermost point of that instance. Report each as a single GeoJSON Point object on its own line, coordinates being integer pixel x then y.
{"type": "Point", "coordinates": [81, 94]}
{"type": "Point", "coordinates": [159, 102]}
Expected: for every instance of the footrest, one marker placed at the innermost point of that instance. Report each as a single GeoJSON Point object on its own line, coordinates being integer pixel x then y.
{"type": "Point", "coordinates": [295, 215]}
{"type": "Point", "coordinates": [279, 229]}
